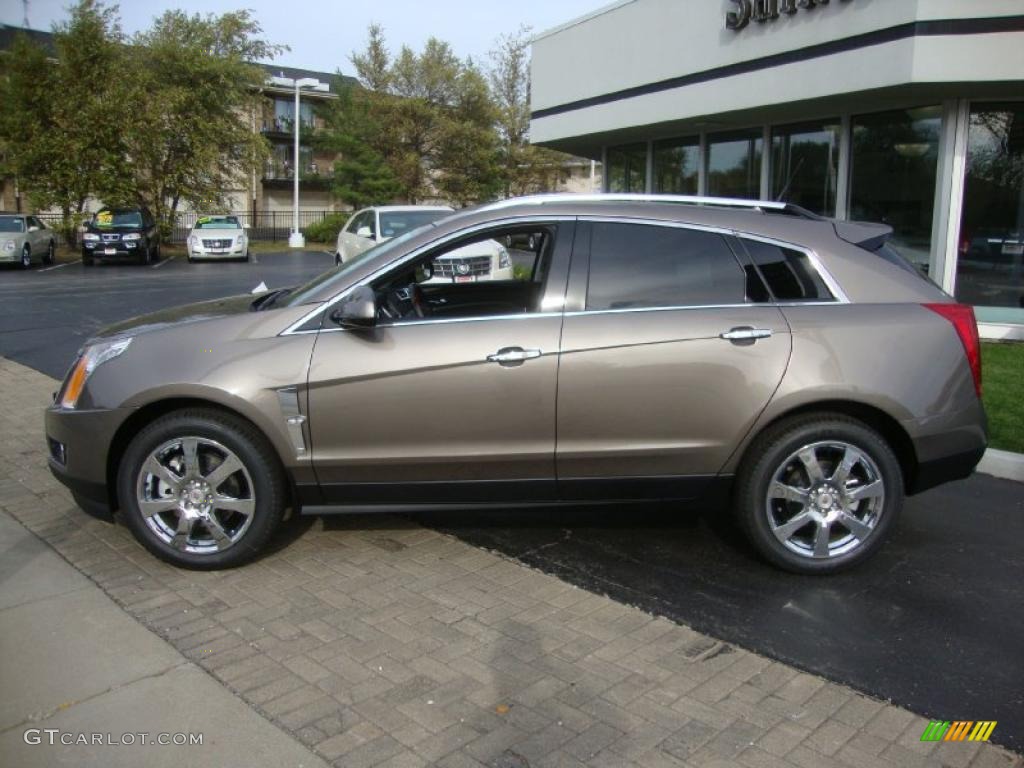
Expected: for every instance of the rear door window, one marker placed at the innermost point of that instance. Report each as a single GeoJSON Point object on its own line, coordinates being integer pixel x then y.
{"type": "Point", "coordinates": [645, 265]}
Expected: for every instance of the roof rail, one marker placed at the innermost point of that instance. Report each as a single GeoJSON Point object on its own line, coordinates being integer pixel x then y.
{"type": "Point", "coordinates": [630, 197]}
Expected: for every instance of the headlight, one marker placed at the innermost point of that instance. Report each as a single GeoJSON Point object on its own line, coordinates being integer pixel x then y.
{"type": "Point", "coordinates": [9, 245]}
{"type": "Point", "coordinates": [131, 236]}
{"type": "Point", "coordinates": [193, 241]}
{"type": "Point", "coordinates": [504, 262]}
{"type": "Point", "coordinates": [90, 237]}
{"type": "Point", "coordinates": [93, 357]}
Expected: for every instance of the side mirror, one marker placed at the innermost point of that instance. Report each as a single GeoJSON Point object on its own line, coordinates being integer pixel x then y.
{"type": "Point", "coordinates": [33, 228]}
{"type": "Point", "coordinates": [364, 232]}
{"type": "Point", "coordinates": [357, 310]}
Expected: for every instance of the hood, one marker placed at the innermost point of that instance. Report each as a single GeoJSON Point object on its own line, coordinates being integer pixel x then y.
{"type": "Point", "coordinates": [188, 313]}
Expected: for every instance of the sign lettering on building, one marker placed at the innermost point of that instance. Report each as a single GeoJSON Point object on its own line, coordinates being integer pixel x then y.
{"type": "Point", "coordinates": [761, 11]}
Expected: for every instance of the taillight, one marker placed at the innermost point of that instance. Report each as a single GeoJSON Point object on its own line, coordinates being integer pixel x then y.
{"type": "Point", "coordinates": [962, 318]}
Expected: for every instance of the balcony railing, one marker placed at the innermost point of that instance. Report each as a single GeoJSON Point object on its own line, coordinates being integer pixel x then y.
{"type": "Point", "coordinates": [285, 125]}
{"type": "Point", "coordinates": [285, 172]}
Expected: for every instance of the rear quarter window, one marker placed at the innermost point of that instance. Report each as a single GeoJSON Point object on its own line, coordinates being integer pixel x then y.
{"type": "Point", "coordinates": [788, 273]}
{"type": "Point", "coordinates": [644, 265]}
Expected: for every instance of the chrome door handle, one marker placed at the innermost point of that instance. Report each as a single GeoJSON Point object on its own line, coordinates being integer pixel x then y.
{"type": "Point", "coordinates": [746, 333]}
{"type": "Point", "coordinates": [513, 355]}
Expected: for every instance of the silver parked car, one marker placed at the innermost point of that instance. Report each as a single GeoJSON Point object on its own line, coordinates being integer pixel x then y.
{"type": "Point", "coordinates": [25, 238]}
{"type": "Point", "coordinates": [704, 351]}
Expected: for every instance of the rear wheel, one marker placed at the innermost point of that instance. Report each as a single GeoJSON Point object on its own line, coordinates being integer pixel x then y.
{"type": "Point", "coordinates": [201, 489]}
{"type": "Point", "coordinates": [819, 493]}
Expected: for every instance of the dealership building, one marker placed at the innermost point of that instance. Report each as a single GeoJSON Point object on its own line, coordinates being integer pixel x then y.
{"type": "Point", "coordinates": [909, 112]}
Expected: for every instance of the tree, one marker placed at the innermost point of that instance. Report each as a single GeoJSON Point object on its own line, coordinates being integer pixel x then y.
{"type": "Point", "coordinates": [362, 177]}
{"type": "Point", "coordinates": [433, 120]}
{"type": "Point", "coordinates": [63, 141]}
{"type": "Point", "coordinates": [526, 168]}
{"type": "Point", "coordinates": [190, 138]}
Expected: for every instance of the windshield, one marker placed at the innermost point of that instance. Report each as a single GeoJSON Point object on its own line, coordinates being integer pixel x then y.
{"type": "Point", "coordinates": [393, 224]}
{"type": "Point", "coordinates": [210, 222]}
{"type": "Point", "coordinates": [107, 219]}
{"type": "Point", "coordinates": [12, 224]}
{"type": "Point", "coordinates": [337, 277]}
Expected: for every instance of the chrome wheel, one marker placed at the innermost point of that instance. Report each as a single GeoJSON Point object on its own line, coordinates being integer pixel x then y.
{"type": "Point", "coordinates": [26, 258]}
{"type": "Point", "coordinates": [196, 495]}
{"type": "Point", "coordinates": [825, 499]}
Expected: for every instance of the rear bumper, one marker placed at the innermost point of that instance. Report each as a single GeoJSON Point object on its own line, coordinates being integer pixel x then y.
{"type": "Point", "coordinates": [944, 470]}
{"type": "Point", "coordinates": [948, 447]}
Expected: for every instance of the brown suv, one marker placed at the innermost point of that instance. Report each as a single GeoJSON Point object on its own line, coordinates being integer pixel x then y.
{"type": "Point", "coordinates": [689, 349]}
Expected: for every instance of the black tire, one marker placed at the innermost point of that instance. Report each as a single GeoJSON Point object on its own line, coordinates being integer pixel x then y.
{"type": "Point", "coordinates": [87, 261]}
{"type": "Point", "coordinates": [246, 257]}
{"type": "Point", "coordinates": [48, 259]}
{"type": "Point", "coordinates": [269, 488]}
{"type": "Point", "coordinates": [26, 257]}
{"type": "Point", "coordinates": [771, 453]}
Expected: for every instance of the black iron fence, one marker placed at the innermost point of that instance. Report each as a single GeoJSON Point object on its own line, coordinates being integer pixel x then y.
{"type": "Point", "coordinates": [261, 225]}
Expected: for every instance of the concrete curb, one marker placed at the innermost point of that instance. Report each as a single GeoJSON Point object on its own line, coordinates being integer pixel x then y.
{"type": "Point", "coordinates": [1004, 464]}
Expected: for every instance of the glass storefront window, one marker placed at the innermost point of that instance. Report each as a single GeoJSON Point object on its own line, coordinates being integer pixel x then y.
{"type": "Point", "coordinates": [734, 165]}
{"type": "Point", "coordinates": [805, 165]}
{"type": "Point", "coordinates": [893, 170]}
{"type": "Point", "coordinates": [677, 166]}
{"type": "Point", "coordinates": [990, 267]}
{"type": "Point", "coordinates": [627, 168]}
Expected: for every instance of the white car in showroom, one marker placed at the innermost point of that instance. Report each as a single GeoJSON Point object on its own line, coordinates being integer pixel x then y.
{"type": "Point", "coordinates": [486, 260]}
{"type": "Point", "coordinates": [217, 237]}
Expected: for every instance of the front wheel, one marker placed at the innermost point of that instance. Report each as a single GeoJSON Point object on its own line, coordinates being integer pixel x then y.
{"type": "Point", "coordinates": [201, 489]}
{"type": "Point", "coordinates": [48, 259]}
{"type": "Point", "coordinates": [819, 494]}
{"type": "Point", "coordinates": [26, 257]}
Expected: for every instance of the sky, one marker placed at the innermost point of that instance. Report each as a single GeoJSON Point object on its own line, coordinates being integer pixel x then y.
{"type": "Point", "coordinates": [322, 34]}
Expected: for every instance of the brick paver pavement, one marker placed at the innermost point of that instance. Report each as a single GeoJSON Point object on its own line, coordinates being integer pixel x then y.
{"type": "Point", "coordinates": [379, 642]}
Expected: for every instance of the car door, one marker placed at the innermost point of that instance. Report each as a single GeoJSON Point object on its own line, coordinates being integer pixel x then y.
{"type": "Point", "coordinates": [350, 245]}
{"type": "Point", "coordinates": [665, 363]}
{"type": "Point", "coordinates": [39, 238]}
{"type": "Point", "coordinates": [447, 409]}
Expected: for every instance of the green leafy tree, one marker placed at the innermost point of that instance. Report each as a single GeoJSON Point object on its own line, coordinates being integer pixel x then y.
{"type": "Point", "coordinates": [433, 118]}
{"type": "Point", "coordinates": [526, 168]}
{"type": "Point", "coordinates": [60, 140]}
{"type": "Point", "coordinates": [195, 89]}
{"type": "Point", "coordinates": [362, 177]}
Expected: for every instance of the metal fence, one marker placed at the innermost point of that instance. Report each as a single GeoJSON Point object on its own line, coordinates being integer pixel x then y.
{"type": "Point", "coordinates": [262, 225]}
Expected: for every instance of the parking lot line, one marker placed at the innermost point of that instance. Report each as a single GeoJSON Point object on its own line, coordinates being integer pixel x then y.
{"type": "Point", "coordinates": [161, 263]}
{"type": "Point", "coordinates": [58, 266]}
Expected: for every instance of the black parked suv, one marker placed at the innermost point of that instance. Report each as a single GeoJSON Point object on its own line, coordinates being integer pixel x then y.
{"type": "Point", "coordinates": [121, 233]}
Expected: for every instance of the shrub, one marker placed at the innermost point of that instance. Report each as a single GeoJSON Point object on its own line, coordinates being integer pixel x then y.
{"type": "Point", "coordinates": [326, 230]}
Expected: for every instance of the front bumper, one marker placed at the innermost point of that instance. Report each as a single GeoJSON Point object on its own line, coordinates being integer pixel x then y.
{"type": "Point", "coordinates": [84, 439]}
{"type": "Point", "coordinates": [113, 250]}
{"type": "Point", "coordinates": [201, 254]}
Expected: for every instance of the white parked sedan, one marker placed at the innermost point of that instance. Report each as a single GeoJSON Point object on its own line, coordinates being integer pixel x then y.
{"type": "Point", "coordinates": [486, 260]}
{"type": "Point", "coordinates": [217, 237]}
{"type": "Point", "coordinates": [24, 239]}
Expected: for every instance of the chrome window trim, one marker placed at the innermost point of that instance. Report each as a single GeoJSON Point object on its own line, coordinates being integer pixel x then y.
{"type": "Point", "coordinates": [292, 329]}
{"type": "Point", "coordinates": [812, 256]}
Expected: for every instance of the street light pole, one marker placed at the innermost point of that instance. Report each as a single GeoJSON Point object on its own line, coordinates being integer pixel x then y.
{"type": "Point", "coordinates": [295, 239]}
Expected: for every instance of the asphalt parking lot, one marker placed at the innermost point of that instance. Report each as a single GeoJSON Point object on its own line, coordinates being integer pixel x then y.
{"type": "Point", "coordinates": [934, 623]}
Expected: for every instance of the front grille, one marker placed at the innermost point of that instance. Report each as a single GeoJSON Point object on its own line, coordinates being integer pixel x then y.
{"type": "Point", "coordinates": [110, 238]}
{"type": "Point", "coordinates": [471, 266]}
{"type": "Point", "coordinates": [216, 243]}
